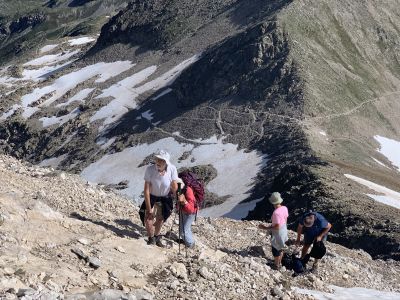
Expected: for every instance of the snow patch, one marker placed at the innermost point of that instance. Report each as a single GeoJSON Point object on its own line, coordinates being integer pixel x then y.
{"type": "Point", "coordinates": [124, 97]}
{"type": "Point", "coordinates": [389, 148]}
{"type": "Point", "coordinates": [81, 41]}
{"type": "Point", "coordinates": [69, 81]}
{"type": "Point", "coordinates": [322, 133]}
{"type": "Point", "coordinates": [48, 48]}
{"type": "Point", "coordinates": [51, 59]}
{"type": "Point", "coordinates": [148, 115]}
{"type": "Point", "coordinates": [41, 73]}
{"type": "Point", "coordinates": [125, 92]}
{"type": "Point", "coordinates": [105, 143]}
{"type": "Point", "coordinates": [10, 112]}
{"type": "Point", "coordinates": [380, 163]}
{"type": "Point", "coordinates": [390, 197]}
{"type": "Point", "coordinates": [241, 210]}
{"type": "Point", "coordinates": [49, 121]}
{"type": "Point", "coordinates": [53, 162]}
{"type": "Point", "coordinates": [226, 158]}
{"type": "Point", "coordinates": [78, 97]}
{"type": "Point", "coordinates": [166, 91]}
{"type": "Point", "coordinates": [341, 293]}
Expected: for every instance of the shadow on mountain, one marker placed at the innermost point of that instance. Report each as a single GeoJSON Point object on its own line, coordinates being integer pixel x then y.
{"type": "Point", "coordinates": [76, 3]}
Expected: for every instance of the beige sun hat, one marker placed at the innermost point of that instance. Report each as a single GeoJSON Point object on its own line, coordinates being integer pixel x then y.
{"type": "Point", "coordinates": [275, 198]}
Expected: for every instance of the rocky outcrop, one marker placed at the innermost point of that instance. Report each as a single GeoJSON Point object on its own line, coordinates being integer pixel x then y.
{"type": "Point", "coordinates": [158, 24]}
{"type": "Point", "coordinates": [63, 238]}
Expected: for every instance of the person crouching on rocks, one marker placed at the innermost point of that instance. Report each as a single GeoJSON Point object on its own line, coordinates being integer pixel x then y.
{"type": "Point", "coordinates": [159, 187]}
{"type": "Point", "coordinates": [187, 202]}
{"type": "Point", "coordinates": [315, 228]}
{"type": "Point", "coordinates": [278, 228]}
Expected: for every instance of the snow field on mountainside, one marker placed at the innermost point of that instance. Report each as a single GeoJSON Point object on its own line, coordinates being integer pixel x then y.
{"type": "Point", "coordinates": [51, 58]}
{"type": "Point", "coordinates": [389, 148]}
{"type": "Point", "coordinates": [126, 91]}
{"type": "Point", "coordinates": [48, 48]}
{"type": "Point", "coordinates": [69, 81]}
{"type": "Point", "coordinates": [341, 293]}
{"type": "Point", "coordinates": [80, 96]}
{"type": "Point", "coordinates": [390, 197]}
{"type": "Point", "coordinates": [231, 165]}
{"type": "Point", "coordinates": [81, 41]}
{"type": "Point", "coordinates": [124, 96]}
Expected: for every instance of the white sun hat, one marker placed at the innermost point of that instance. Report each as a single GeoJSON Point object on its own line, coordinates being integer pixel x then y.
{"type": "Point", "coordinates": [162, 154]}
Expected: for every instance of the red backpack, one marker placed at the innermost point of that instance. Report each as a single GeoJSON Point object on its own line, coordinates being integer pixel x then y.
{"type": "Point", "coordinates": [197, 185]}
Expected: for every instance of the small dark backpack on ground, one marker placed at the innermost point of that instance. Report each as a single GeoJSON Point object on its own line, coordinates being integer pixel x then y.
{"type": "Point", "coordinates": [292, 262]}
{"type": "Point", "coordinates": [297, 264]}
{"type": "Point", "coordinates": [190, 179]}
{"type": "Point", "coordinates": [318, 250]}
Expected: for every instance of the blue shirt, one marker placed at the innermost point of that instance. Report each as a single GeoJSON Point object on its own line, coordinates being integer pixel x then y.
{"type": "Point", "coordinates": [320, 223]}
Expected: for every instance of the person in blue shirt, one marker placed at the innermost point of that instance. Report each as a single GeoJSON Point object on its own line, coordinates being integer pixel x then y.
{"type": "Point", "coordinates": [315, 228]}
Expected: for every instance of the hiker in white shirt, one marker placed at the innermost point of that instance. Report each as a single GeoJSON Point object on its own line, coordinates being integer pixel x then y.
{"type": "Point", "coordinates": [159, 188]}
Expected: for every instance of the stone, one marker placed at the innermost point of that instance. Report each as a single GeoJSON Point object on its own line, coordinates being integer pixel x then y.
{"type": "Point", "coordinates": [142, 294]}
{"type": "Point", "coordinates": [174, 284]}
{"type": "Point", "coordinates": [209, 254]}
{"type": "Point", "coordinates": [120, 249]}
{"type": "Point", "coordinates": [83, 241]}
{"type": "Point", "coordinates": [25, 292]}
{"type": "Point", "coordinates": [203, 271]}
{"type": "Point", "coordinates": [276, 291]}
{"type": "Point", "coordinates": [80, 253]}
{"type": "Point", "coordinates": [178, 270]}
{"type": "Point", "coordinates": [94, 262]}
{"type": "Point", "coordinates": [8, 271]}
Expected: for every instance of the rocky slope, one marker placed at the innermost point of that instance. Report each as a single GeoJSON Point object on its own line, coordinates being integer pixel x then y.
{"type": "Point", "coordinates": [300, 87]}
{"type": "Point", "coordinates": [62, 238]}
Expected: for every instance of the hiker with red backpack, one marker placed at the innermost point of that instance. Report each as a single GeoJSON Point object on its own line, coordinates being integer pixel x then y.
{"type": "Point", "coordinates": [189, 201]}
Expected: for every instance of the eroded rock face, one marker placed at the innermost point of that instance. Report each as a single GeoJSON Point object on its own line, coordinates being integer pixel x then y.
{"type": "Point", "coordinates": [158, 24]}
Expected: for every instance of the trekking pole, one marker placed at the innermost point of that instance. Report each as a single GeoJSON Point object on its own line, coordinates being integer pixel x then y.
{"type": "Point", "coordinates": [173, 222]}
{"type": "Point", "coordinates": [179, 207]}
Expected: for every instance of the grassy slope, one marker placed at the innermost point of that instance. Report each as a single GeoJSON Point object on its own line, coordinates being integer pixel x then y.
{"type": "Point", "coordinates": [348, 52]}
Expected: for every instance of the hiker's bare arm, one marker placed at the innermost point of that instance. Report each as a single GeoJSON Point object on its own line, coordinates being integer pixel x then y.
{"type": "Point", "coordinates": [174, 186]}
{"type": "Point", "coordinates": [299, 231]}
{"type": "Point", "coordinates": [262, 226]}
{"type": "Point", "coordinates": [324, 232]}
{"type": "Point", "coordinates": [147, 196]}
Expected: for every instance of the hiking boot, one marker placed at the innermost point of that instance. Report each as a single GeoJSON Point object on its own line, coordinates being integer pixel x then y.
{"type": "Point", "coordinates": [159, 242]}
{"type": "Point", "coordinates": [151, 240]}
